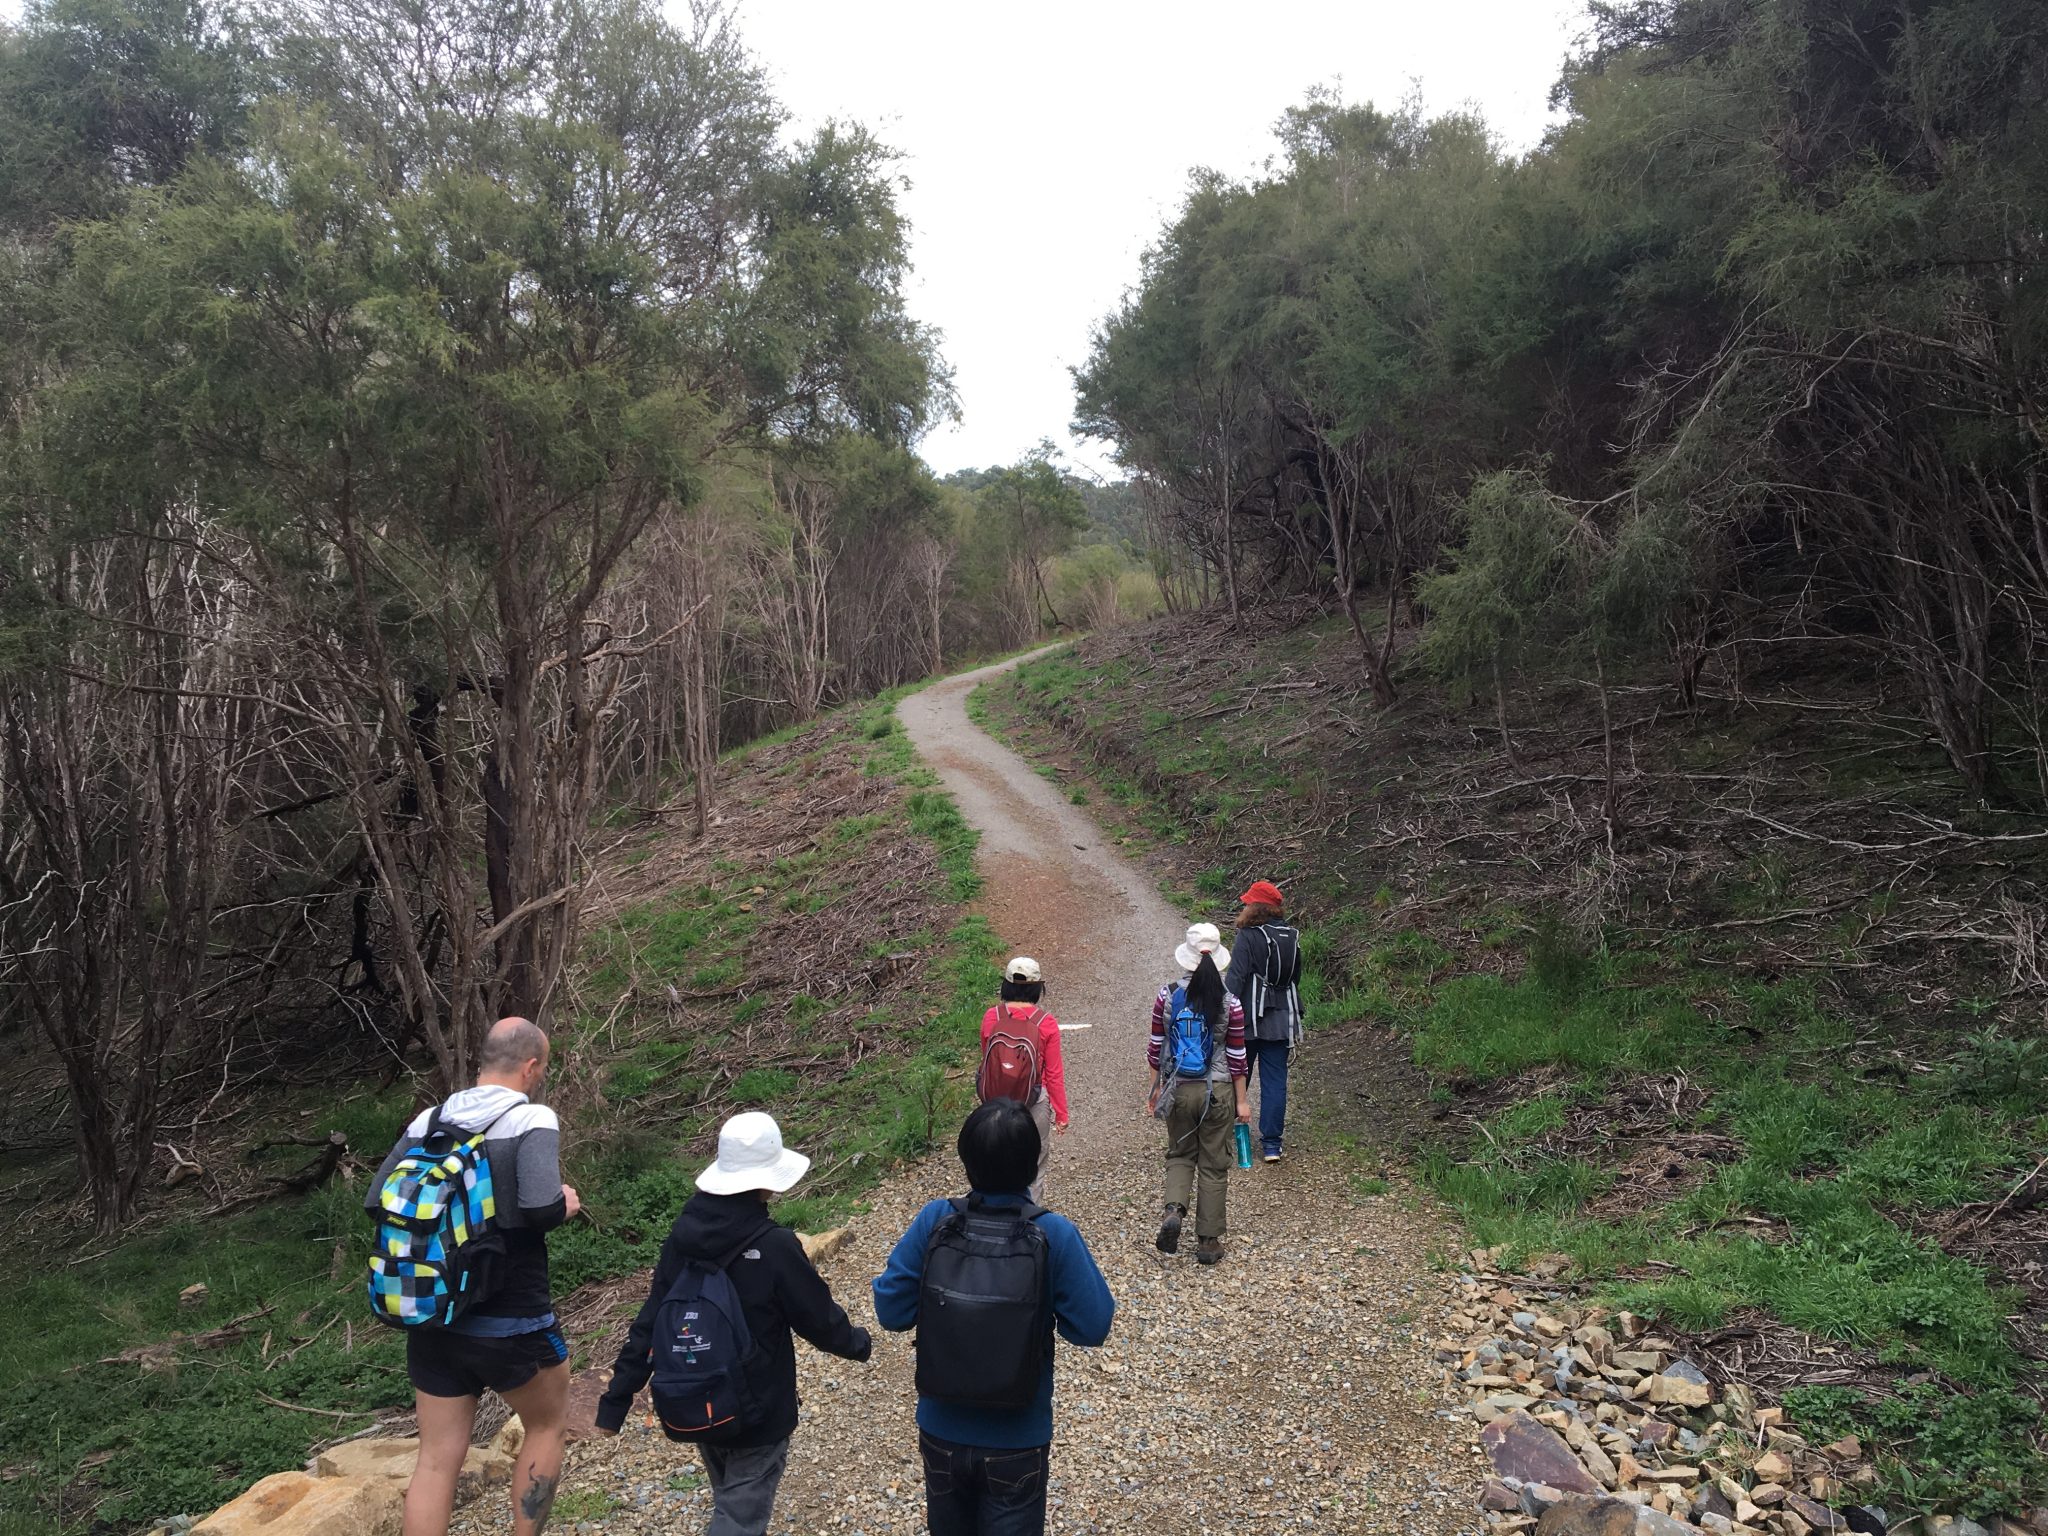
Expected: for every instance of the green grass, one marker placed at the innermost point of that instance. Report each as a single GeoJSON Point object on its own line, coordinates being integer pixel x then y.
{"type": "Point", "coordinates": [186, 1437]}
{"type": "Point", "coordinates": [585, 1504]}
{"type": "Point", "coordinates": [1841, 1161]}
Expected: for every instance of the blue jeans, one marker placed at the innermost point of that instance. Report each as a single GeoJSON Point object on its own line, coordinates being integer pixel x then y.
{"type": "Point", "coordinates": [1269, 1061]}
{"type": "Point", "coordinates": [976, 1490]}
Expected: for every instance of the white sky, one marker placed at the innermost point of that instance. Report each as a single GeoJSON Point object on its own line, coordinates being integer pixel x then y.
{"type": "Point", "coordinates": [1047, 144]}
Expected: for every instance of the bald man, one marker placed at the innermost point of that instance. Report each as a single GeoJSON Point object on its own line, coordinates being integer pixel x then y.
{"type": "Point", "coordinates": [508, 1342]}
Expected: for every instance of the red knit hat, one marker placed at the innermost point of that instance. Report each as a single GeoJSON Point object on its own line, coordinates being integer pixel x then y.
{"type": "Point", "coordinates": [1264, 893]}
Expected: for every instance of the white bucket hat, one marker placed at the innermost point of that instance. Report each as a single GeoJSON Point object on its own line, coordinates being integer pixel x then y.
{"type": "Point", "coordinates": [751, 1156]}
{"type": "Point", "coordinates": [1023, 968]}
{"type": "Point", "coordinates": [1203, 939]}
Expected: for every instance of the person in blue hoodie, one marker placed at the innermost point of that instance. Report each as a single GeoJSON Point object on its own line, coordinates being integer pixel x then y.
{"type": "Point", "coordinates": [985, 1468]}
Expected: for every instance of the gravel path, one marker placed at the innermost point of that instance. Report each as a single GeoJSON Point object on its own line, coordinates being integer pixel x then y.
{"type": "Point", "coordinates": [1289, 1389]}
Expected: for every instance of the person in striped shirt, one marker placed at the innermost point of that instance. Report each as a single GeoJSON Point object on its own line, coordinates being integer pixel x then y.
{"type": "Point", "coordinates": [1195, 1088]}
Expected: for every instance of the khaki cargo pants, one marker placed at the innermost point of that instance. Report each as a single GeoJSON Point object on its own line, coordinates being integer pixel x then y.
{"type": "Point", "coordinates": [1198, 1151]}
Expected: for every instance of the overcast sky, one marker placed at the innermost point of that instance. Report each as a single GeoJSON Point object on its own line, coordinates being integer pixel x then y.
{"type": "Point", "coordinates": [1046, 144]}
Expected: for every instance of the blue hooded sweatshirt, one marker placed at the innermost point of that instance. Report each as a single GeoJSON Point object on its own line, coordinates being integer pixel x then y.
{"type": "Point", "coordinates": [1081, 1307]}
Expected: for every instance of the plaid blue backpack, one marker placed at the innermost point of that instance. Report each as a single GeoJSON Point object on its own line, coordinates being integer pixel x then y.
{"type": "Point", "coordinates": [437, 1244]}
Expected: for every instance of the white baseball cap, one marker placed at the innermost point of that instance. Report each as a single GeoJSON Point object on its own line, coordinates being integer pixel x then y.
{"type": "Point", "coordinates": [751, 1156]}
{"type": "Point", "coordinates": [1022, 968]}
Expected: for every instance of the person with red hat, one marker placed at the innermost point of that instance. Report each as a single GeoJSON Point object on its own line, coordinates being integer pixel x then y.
{"type": "Point", "coordinates": [1265, 971]}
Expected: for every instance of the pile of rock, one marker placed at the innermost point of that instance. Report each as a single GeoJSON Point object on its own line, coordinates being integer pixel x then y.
{"type": "Point", "coordinates": [1594, 1426]}
{"type": "Point", "coordinates": [356, 1488]}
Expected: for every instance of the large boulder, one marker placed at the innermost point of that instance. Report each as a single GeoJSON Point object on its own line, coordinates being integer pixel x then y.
{"type": "Point", "coordinates": [820, 1246]}
{"type": "Point", "coordinates": [1588, 1517]}
{"type": "Point", "coordinates": [1521, 1448]}
{"type": "Point", "coordinates": [297, 1504]}
{"type": "Point", "coordinates": [485, 1466]}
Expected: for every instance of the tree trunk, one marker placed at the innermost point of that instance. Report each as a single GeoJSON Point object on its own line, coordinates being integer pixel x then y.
{"type": "Point", "coordinates": [1230, 552]}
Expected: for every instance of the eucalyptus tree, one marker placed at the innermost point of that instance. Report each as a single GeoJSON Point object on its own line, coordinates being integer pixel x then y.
{"type": "Point", "coordinates": [486, 294]}
{"type": "Point", "coordinates": [1308, 364]}
{"type": "Point", "coordinates": [1842, 402]}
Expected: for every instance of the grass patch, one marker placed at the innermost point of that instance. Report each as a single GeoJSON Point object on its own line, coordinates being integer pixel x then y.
{"type": "Point", "coordinates": [1834, 1159]}
{"type": "Point", "coordinates": [586, 1504]}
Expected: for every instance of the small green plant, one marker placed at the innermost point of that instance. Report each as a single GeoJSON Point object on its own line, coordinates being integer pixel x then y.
{"type": "Point", "coordinates": [629, 1080]}
{"type": "Point", "coordinates": [585, 1504]}
{"type": "Point", "coordinates": [1766, 884]}
{"type": "Point", "coordinates": [1529, 1119]}
{"type": "Point", "coordinates": [1938, 1449]}
{"type": "Point", "coordinates": [763, 1085]}
{"type": "Point", "coordinates": [1996, 1068]}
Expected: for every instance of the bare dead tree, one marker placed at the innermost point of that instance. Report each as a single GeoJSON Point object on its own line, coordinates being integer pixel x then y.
{"type": "Point", "coordinates": [126, 776]}
{"type": "Point", "coordinates": [788, 588]}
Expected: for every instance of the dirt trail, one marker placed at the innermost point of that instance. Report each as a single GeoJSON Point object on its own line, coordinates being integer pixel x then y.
{"type": "Point", "coordinates": [1288, 1389]}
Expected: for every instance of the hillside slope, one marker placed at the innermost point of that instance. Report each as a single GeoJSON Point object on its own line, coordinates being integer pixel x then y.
{"type": "Point", "coordinates": [1754, 1041]}
{"type": "Point", "coordinates": [812, 956]}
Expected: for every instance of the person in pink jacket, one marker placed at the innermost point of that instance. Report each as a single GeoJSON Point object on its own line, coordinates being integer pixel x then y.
{"type": "Point", "coordinates": [1039, 1084]}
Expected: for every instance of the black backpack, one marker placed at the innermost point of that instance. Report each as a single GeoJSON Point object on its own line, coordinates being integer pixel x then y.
{"type": "Point", "coordinates": [706, 1363]}
{"type": "Point", "coordinates": [984, 1309]}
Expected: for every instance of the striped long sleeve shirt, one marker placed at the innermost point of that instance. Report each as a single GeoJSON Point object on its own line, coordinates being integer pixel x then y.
{"type": "Point", "coordinates": [1230, 1064]}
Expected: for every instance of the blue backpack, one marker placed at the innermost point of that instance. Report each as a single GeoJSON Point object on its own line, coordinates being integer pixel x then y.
{"type": "Point", "coordinates": [706, 1365]}
{"type": "Point", "coordinates": [437, 1247]}
{"type": "Point", "coordinates": [1190, 1043]}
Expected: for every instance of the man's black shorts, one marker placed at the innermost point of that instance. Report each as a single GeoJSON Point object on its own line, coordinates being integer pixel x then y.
{"type": "Point", "coordinates": [446, 1364]}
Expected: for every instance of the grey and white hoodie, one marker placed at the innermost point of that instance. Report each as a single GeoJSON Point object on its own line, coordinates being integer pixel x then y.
{"type": "Point", "coordinates": [523, 1141]}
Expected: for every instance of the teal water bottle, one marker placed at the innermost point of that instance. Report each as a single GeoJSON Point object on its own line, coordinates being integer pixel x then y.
{"type": "Point", "coordinates": [1244, 1144]}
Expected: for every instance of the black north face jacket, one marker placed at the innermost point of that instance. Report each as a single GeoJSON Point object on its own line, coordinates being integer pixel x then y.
{"type": "Point", "coordinates": [779, 1291]}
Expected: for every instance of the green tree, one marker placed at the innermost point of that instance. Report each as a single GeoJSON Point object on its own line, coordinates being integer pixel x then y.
{"type": "Point", "coordinates": [430, 354]}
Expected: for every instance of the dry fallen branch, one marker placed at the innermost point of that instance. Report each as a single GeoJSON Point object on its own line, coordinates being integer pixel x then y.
{"type": "Point", "coordinates": [312, 1176]}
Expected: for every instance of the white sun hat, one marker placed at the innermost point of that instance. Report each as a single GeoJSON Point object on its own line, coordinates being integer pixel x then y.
{"type": "Point", "coordinates": [1022, 968]}
{"type": "Point", "coordinates": [751, 1156]}
{"type": "Point", "coordinates": [1203, 939]}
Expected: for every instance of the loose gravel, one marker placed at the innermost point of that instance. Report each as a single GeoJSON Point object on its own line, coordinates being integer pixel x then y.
{"type": "Point", "coordinates": [1289, 1389]}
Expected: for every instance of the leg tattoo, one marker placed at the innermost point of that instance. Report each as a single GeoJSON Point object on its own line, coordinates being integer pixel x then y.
{"type": "Point", "coordinates": [538, 1500]}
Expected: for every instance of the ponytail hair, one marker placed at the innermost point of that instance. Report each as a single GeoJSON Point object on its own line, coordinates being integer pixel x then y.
{"type": "Point", "coordinates": [1205, 991]}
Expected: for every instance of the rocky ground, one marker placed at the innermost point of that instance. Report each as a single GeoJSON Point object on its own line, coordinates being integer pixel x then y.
{"type": "Point", "coordinates": [1290, 1389]}
{"type": "Point", "coordinates": [1594, 1426]}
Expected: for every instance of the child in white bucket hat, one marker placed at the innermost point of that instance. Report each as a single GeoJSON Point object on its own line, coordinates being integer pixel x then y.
{"type": "Point", "coordinates": [1196, 1049]}
{"type": "Point", "coordinates": [725, 1225]}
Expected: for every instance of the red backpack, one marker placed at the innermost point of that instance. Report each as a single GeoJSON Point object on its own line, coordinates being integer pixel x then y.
{"type": "Point", "coordinates": [1009, 1061]}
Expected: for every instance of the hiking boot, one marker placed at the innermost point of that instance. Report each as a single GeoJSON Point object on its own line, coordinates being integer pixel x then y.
{"type": "Point", "coordinates": [1169, 1229]}
{"type": "Point", "coordinates": [1209, 1251]}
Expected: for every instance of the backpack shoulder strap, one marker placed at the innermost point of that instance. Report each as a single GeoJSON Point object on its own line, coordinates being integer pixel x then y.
{"type": "Point", "coordinates": [958, 1209]}
{"type": "Point", "coordinates": [977, 1205]}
